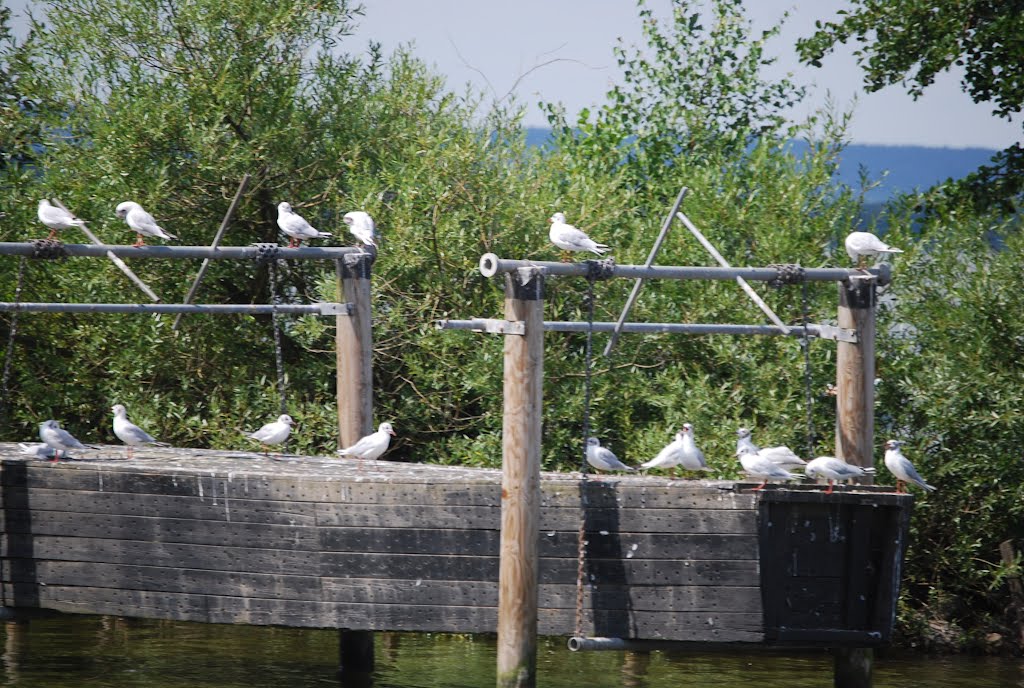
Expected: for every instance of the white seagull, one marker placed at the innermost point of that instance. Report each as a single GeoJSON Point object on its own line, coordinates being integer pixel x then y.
{"type": "Point", "coordinates": [58, 439]}
{"type": "Point", "coordinates": [569, 238]}
{"type": "Point", "coordinates": [56, 218]}
{"type": "Point", "coordinates": [780, 455]}
{"type": "Point", "coordinates": [141, 222]}
{"type": "Point", "coordinates": [36, 449]}
{"type": "Point", "coordinates": [273, 433]}
{"type": "Point", "coordinates": [860, 245]}
{"type": "Point", "coordinates": [682, 451]}
{"type": "Point", "coordinates": [901, 467]}
{"type": "Point", "coordinates": [373, 445]}
{"type": "Point", "coordinates": [758, 466]}
{"type": "Point", "coordinates": [834, 469]}
{"type": "Point", "coordinates": [295, 226]}
{"type": "Point", "coordinates": [130, 433]}
{"type": "Point", "coordinates": [602, 458]}
{"type": "Point", "coordinates": [362, 227]}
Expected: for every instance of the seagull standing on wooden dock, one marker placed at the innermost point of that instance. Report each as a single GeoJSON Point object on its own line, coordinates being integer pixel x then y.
{"type": "Point", "coordinates": [141, 222]}
{"type": "Point", "coordinates": [130, 433]}
{"type": "Point", "coordinates": [373, 445]}
{"type": "Point", "coordinates": [56, 218]}
{"type": "Point", "coordinates": [780, 455]}
{"type": "Point", "coordinates": [602, 458]}
{"type": "Point", "coordinates": [295, 226]}
{"type": "Point", "coordinates": [682, 451]}
{"type": "Point", "coordinates": [901, 467]}
{"type": "Point", "coordinates": [765, 469]}
{"type": "Point", "coordinates": [860, 245]}
{"type": "Point", "coordinates": [834, 469]}
{"type": "Point", "coordinates": [58, 439]}
{"type": "Point", "coordinates": [273, 433]}
{"type": "Point", "coordinates": [362, 227]}
{"type": "Point", "coordinates": [569, 238]}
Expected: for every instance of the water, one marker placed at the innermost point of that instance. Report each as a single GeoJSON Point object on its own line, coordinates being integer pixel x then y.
{"type": "Point", "coordinates": [102, 652]}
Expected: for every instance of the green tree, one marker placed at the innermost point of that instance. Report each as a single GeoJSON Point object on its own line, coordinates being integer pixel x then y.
{"type": "Point", "coordinates": [908, 42]}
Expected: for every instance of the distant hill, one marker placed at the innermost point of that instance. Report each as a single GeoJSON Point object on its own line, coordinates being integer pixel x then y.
{"type": "Point", "coordinates": [909, 167]}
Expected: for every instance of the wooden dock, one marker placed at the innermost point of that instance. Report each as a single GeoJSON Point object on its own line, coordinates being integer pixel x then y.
{"type": "Point", "coordinates": [231, 537]}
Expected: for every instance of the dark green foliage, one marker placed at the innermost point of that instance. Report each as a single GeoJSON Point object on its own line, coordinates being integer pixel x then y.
{"type": "Point", "coordinates": [909, 43]}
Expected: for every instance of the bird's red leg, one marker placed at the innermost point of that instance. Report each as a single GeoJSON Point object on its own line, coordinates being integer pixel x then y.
{"type": "Point", "coordinates": [829, 490]}
{"type": "Point", "coordinates": [761, 486]}
{"type": "Point", "coordinates": [53, 233]}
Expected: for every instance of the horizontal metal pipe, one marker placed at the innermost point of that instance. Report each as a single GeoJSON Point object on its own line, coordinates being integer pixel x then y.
{"type": "Point", "coordinates": [184, 252]}
{"type": "Point", "coordinates": [491, 265]}
{"type": "Point", "coordinates": [478, 325]}
{"type": "Point", "coordinates": [218, 309]}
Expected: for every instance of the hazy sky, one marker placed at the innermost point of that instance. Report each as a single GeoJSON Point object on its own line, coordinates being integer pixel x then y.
{"type": "Point", "coordinates": [561, 51]}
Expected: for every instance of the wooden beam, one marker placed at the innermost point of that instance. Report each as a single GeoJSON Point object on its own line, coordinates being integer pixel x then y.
{"type": "Point", "coordinates": [354, 337]}
{"type": "Point", "coordinates": [855, 374]}
{"type": "Point", "coordinates": [520, 483]}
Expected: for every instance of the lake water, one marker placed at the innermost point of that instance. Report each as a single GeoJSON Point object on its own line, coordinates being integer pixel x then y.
{"type": "Point", "coordinates": [95, 652]}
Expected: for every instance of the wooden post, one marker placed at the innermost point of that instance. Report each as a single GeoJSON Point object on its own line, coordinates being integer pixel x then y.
{"type": "Point", "coordinates": [1009, 557]}
{"type": "Point", "coordinates": [855, 430]}
{"type": "Point", "coordinates": [853, 667]}
{"type": "Point", "coordinates": [354, 336]}
{"type": "Point", "coordinates": [855, 374]}
{"type": "Point", "coordinates": [520, 483]}
{"type": "Point", "coordinates": [354, 340]}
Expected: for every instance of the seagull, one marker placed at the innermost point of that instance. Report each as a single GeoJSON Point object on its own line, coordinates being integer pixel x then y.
{"type": "Point", "coordinates": [130, 433]}
{"type": "Point", "coordinates": [781, 455]}
{"type": "Point", "coordinates": [58, 439]}
{"type": "Point", "coordinates": [602, 458]}
{"type": "Point", "coordinates": [901, 467]}
{"type": "Point", "coordinates": [362, 227]}
{"type": "Point", "coordinates": [834, 469]}
{"type": "Point", "coordinates": [295, 226]}
{"type": "Point", "coordinates": [569, 238]}
{"type": "Point", "coordinates": [273, 433]}
{"type": "Point", "coordinates": [141, 222]}
{"type": "Point", "coordinates": [758, 466]}
{"type": "Point", "coordinates": [36, 449]}
{"type": "Point", "coordinates": [860, 245]}
{"type": "Point", "coordinates": [56, 218]}
{"type": "Point", "coordinates": [373, 445]}
{"type": "Point", "coordinates": [682, 451]}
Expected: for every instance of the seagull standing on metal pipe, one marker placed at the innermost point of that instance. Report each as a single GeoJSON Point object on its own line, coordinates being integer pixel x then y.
{"type": "Point", "coordinates": [56, 218]}
{"type": "Point", "coordinates": [295, 226]}
{"type": "Point", "coordinates": [860, 245]}
{"type": "Point", "coordinates": [141, 222]}
{"type": "Point", "coordinates": [569, 238]}
{"type": "Point", "coordinates": [362, 227]}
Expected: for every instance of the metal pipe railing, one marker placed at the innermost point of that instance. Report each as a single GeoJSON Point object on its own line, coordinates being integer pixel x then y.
{"type": "Point", "coordinates": [491, 265]}
{"type": "Point", "coordinates": [185, 252]}
{"type": "Point", "coordinates": [498, 326]}
{"type": "Point", "coordinates": [218, 309]}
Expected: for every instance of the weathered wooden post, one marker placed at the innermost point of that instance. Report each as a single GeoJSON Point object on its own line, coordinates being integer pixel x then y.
{"type": "Point", "coordinates": [855, 374]}
{"type": "Point", "coordinates": [354, 341]}
{"type": "Point", "coordinates": [855, 428]}
{"type": "Point", "coordinates": [520, 483]}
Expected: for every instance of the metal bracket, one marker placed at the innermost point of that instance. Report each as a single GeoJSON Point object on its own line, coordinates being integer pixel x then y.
{"type": "Point", "coordinates": [837, 334]}
{"type": "Point", "coordinates": [335, 308]}
{"type": "Point", "coordinates": [488, 325]}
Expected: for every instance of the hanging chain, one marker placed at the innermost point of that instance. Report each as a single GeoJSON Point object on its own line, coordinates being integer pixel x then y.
{"type": "Point", "coordinates": [278, 356]}
{"type": "Point", "coordinates": [9, 354]}
{"type": "Point", "coordinates": [805, 344]}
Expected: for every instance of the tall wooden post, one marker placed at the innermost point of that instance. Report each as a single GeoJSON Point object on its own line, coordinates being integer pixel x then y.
{"type": "Point", "coordinates": [354, 338]}
{"type": "Point", "coordinates": [855, 374]}
{"type": "Point", "coordinates": [855, 430]}
{"type": "Point", "coordinates": [520, 483]}
{"type": "Point", "coordinates": [354, 341]}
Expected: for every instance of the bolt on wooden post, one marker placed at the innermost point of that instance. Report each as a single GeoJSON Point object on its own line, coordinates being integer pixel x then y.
{"type": "Point", "coordinates": [520, 484]}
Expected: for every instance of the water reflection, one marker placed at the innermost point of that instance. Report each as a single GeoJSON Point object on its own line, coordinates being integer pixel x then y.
{"type": "Point", "coordinates": [102, 652]}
